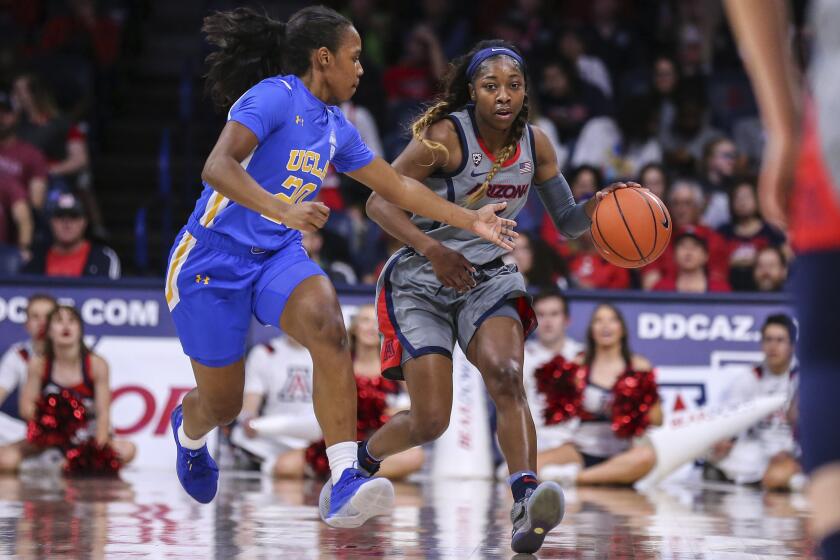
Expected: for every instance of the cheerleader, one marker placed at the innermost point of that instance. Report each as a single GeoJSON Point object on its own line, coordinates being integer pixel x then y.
{"type": "Point", "coordinates": [67, 364]}
{"type": "Point", "coordinates": [597, 454]}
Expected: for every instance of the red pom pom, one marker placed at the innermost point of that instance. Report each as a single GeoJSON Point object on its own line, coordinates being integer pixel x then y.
{"type": "Point", "coordinates": [91, 459]}
{"type": "Point", "coordinates": [634, 394]}
{"type": "Point", "coordinates": [316, 458]}
{"type": "Point", "coordinates": [58, 416]}
{"type": "Point", "coordinates": [562, 383]}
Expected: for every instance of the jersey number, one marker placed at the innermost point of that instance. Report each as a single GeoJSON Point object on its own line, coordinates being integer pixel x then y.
{"type": "Point", "coordinates": [297, 191]}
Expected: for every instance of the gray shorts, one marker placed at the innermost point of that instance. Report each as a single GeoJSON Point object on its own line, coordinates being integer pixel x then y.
{"type": "Point", "coordinates": [419, 316]}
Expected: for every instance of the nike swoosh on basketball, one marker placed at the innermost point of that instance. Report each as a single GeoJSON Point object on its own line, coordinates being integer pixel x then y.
{"type": "Point", "coordinates": [474, 174]}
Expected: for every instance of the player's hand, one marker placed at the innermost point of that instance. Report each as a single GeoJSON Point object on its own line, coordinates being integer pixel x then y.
{"type": "Point", "coordinates": [451, 268]}
{"type": "Point", "coordinates": [305, 216]}
{"type": "Point", "coordinates": [603, 193]}
{"type": "Point", "coordinates": [775, 179]}
{"type": "Point", "coordinates": [494, 228]}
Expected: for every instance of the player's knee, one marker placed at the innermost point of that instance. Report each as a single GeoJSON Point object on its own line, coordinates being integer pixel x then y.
{"type": "Point", "coordinates": [504, 382]}
{"type": "Point", "coordinates": [223, 412]}
{"type": "Point", "coordinates": [328, 330]}
{"type": "Point", "coordinates": [429, 427]}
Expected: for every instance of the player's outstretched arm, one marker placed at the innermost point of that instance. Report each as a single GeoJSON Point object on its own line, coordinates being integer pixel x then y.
{"type": "Point", "coordinates": [761, 29]}
{"type": "Point", "coordinates": [224, 172]}
{"type": "Point", "coordinates": [412, 195]}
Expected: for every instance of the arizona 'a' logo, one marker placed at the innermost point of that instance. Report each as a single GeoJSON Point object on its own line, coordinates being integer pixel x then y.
{"type": "Point", "coordinates": [389, 349]}
{"type": "Point", "coordinates": [477, 157]}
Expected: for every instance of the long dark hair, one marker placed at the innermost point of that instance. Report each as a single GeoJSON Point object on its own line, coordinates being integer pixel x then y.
{"type": "Point", "coordinates": [589, 355]}
{"type": "Point", "coordinates": [455, 96]}
{"type": "Point", "coordinates": [49, 349]}
{"type": "Point", "coordinates": [253, 46]}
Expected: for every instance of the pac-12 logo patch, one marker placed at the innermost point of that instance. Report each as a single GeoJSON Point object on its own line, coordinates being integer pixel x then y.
{"type": "Point", "coordinates": [477, 157]}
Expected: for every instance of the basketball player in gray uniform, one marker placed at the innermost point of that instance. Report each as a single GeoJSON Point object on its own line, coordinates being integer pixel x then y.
{"type": "Point", "coordinates": [473, 146]}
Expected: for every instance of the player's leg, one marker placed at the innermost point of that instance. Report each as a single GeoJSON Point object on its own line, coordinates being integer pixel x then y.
{"type": "Point", "coordinates": [818, 299]}
{"type": "Point", "coordinates": [209, 296]}
{"type": "Point", "coordinates": [294, 292]}
{"type": "Point", "coordinates": [497, 350]}
{"type": "Point", "coordinates": [312, 316]}
{"type": "Point", "coordinates": [415, 319]}
{"type": "Point", "coordinates": [429, 382]}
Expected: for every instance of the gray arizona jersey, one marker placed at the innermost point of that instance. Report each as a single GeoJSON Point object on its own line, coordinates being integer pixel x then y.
{"type": "Point", "coordinates": [510, 184]}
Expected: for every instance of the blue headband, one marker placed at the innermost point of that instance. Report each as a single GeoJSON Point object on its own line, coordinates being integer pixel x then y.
{"type": "Point", "coordinates": [484, 54]}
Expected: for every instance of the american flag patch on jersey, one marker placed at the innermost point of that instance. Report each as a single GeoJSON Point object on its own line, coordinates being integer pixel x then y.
{"type": "Point", "coordinates": [526, 167]}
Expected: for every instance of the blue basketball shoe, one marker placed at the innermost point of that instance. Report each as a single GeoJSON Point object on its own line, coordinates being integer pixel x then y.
{"type": "Point", "coordinates": [355, 499]}
{"type": "Point", "coordinates": [196, 469]}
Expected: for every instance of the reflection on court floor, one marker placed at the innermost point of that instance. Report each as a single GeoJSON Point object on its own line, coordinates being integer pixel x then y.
{"type": "Point", "coordinates": [147, 515]}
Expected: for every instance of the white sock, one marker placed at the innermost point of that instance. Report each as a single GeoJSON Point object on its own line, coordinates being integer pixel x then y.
{"type": "Point", "coordinates": [341, 456]}
{"type": "Point", "coordinates": [188, 442]}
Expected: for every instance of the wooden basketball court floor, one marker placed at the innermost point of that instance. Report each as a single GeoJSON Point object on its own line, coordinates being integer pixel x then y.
{"type": "Point", "coordinates": [145, 514]}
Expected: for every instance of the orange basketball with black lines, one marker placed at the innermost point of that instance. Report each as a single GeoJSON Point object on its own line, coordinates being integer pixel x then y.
{"type": "Point", "coordinates": [631, 227]}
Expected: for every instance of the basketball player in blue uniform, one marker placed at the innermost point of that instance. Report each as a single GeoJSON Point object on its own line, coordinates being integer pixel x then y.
{"type": "Point", "coordinates": [800, 185]}
{"type": "Point", "coordinates": [240, 253]}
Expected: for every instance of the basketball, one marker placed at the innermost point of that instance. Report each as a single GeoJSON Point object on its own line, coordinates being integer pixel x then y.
{"type": "Point", "coordinates": [631, 227]}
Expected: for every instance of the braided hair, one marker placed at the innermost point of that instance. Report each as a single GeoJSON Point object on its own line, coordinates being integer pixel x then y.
{"type": "Point", "coordinates": [455, 96]}
{"type": "Point", "coordinates": [253, 46]}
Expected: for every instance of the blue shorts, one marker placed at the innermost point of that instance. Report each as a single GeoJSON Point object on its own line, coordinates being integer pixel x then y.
{"type": "Point", "coordinates": [214, 285]}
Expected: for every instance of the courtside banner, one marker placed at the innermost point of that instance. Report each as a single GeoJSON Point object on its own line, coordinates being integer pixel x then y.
{"type": "Point", "coordinates": [697, 343]}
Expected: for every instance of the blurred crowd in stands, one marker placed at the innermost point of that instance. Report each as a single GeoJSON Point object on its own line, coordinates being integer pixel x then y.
{"type": "Point", "coordinates": [641, 90]}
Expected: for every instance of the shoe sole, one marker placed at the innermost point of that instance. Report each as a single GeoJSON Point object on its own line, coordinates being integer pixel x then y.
{"type": "Point", "coordinates": [373, 498]}
{"type": "Point", "coordinates": [545, 511]}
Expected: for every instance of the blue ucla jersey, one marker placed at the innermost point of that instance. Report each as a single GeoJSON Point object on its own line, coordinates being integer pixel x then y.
{"type": "Point", "coordinates": [299, 136]}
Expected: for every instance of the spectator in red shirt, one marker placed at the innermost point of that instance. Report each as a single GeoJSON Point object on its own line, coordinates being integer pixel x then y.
{"type": "Point", "coordinates": [421, 66]}
{"type": "Point", "coordinates": [746, 234]}
{"type": "Point", "coordinates": [771, 269]}
{"type": "Point", "coordinates": [691, 256]}
{"type": "Point", "coordinates": [589, 269]}
{"type": "Point", "coordinates": [82, 32]}
{"type": "Point", "coordinates": [686, 202]}
{"type": "Point", "coordinates": [71, 254]}
{"type": "Point", "coordinates": [20, 160]}
{"type": "Point", "coordinates": [14, 207]}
